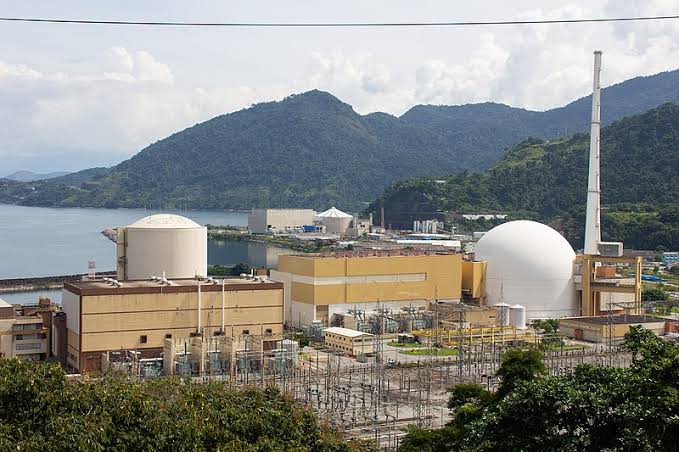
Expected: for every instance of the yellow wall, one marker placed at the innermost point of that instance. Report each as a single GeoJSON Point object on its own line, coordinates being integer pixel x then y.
{"type": "Point", "coordinates": [443, 278]}
{"type": "Point", "coordinates": [114, 322]}
{"type": "Point", "coordinates": [474, 278]}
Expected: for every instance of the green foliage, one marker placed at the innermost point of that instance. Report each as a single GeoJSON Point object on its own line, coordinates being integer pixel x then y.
{"type": "Point", "coordinates": [592, 408]}
{"type": "Point", "coordinates": [546, 180]}
{"type": "Point", "coordinates": [550, 329]}
{"type": "Point", "coordinates": [519, 365]}
{"type": "Point", "coordinates": [653, 293]}
{"type": "Point", "coordinates": [40, 410]}
{"type": "Point", "coordinates": [465, 393]}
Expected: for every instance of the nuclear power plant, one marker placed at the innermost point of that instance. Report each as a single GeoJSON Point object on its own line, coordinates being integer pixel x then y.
{"type": "Point", "coordinates": [391, 327]}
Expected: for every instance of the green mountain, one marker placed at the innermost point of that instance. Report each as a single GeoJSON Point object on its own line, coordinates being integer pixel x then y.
{"type": "Point", "coordinates": [547, 180]}
{"type": "Point", "coordinates": [29, 176]}
{"type": "Point", "coordinates": [312, 150]}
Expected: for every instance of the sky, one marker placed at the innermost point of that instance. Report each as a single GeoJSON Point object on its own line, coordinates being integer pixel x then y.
{"type": "Point", "coordinates": [77, 96]}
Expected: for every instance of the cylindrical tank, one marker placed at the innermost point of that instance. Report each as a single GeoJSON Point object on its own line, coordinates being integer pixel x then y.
{"type": "Point", "coordinates": [502, 314]}
{"type": "Point", "coordinates": [517, 316]}
{"type": "Point", "coordinates": [157, 245]}
{"type": "Point", "coordinates": [334, 220]}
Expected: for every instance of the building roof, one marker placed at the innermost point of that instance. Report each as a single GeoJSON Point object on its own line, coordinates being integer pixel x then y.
{"type": "Point", "coordinates": [334, 212]}
{"type": "Point", "coordinates": [164, 221]}
{"type": "Point", "coordinates": [619, 319]}
{"type": "Point", "coordinates": [345, 332]}
{"type": "Point", "coordinates": [100, 287]}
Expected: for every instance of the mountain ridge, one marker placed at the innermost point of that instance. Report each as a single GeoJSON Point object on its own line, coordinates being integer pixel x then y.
{"type": "Point", "coordinates": [546, 180]}
{"type": "Point", "coordinates": [313, 150]}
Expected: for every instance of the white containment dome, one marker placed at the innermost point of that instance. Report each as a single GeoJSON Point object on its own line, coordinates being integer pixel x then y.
{"type": "Point", "coordinates": [529, 264]}
{"type": "Point", "coordinates": [161, 243]}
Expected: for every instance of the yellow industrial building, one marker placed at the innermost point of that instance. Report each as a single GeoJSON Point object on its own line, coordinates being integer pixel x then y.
{"type": "Point", "coordinates": [319, 286]}
{"type": "Point", "coordinates": [141, 315]}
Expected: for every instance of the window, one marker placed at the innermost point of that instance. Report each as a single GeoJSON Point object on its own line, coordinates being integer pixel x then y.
{"type": "Point", "coordinates": [168, 336]}
{"type": "Point", "coordinates": [246, 332]}
{"type": "Point", "coordinates": [33, 346]}
{"type": "Point", "coordinates": [143, 339]}
{"type": "Point", "coordinates": [269, 331]}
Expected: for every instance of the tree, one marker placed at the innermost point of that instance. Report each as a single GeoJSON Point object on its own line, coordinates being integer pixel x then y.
{"type": "Point", "coordinates": [653, 293]}
{"type": "Point", "coordinates": [592, 408]}
{"type": "Point", "coordinates": [41, 410]}
{"type": "Point", "coordinates": [517, 366]}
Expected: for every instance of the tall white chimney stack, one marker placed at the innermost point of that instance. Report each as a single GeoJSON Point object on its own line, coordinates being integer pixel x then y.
{"type": "Point", "coordinates": [593, 213]}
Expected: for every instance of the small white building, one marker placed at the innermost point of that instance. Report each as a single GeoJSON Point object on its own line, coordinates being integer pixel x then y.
{"type": "Point", "coordinates": [334, 220]}
{"type": "Point", "coordinates": [348, 341]}
{"type": "Point", "coordinates": [263, 221]}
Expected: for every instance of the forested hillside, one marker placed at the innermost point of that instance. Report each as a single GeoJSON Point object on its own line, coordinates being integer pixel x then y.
{"type": "Point", "coordinates": [546, 180]}
{"type": "Point", "coordinates": [312, 150]}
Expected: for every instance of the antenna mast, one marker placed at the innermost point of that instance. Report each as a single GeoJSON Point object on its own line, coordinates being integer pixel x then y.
{"type": "Point", "coordinates": [593, 219]}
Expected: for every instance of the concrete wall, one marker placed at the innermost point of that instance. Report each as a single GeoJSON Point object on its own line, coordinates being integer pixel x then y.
{"type": "Point", "coordinates": [277, 220]}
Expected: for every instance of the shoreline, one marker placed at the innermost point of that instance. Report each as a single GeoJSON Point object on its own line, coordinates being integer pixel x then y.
{"type": "Point", "coordinates": [30, 284]}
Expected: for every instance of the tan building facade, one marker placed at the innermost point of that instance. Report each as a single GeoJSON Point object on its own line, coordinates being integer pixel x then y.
{"type": "Point", "coordinates": [596, 328]}
{"type": "Point", "coordinates": [141, 315]}
{"type": "Point", "coordinates": [23, 337]}
{"type": "Point", "coordinates": [350, 342]}
{"type": "Point", "coordinates": [319, 286]}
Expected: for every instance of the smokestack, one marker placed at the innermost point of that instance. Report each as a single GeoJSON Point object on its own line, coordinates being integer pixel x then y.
{"type": "Point", "coordinates": [593, 212]}
{"type": "Point", "coordinates": [382, 217]}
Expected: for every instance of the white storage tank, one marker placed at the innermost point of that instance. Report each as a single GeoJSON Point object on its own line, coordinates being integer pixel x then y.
{"type": "Point", "coordinates": [502, 314]}
{"type": "Point", "coordinates": [334, 220]}
{"type": "Point", "coordinates": [531, 263]}
{"type": "Point", "coordinates": [517, 316]}
{"type": "Point", "coordinates": [163, 244]}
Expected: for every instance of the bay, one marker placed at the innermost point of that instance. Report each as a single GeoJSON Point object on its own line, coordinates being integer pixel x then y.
{"type": "Point", "coordinates": [39, 241]}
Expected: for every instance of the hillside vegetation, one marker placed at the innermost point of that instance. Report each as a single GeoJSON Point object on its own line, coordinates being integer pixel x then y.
{"type": "Point", "coordinates": [312, 150]}
{"type": "Point", "coordinates": [547, 180]}
{"type": "Point", "coordinates": [41, 410]}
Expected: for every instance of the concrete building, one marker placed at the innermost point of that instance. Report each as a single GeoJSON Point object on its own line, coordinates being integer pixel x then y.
{"type": "Point", "coordinates": [22, 336]}
{"type": "Point", "coordinates": [350, 342]}
{"type": "Point", "coordinates": [670, 259]}
{"type": "Point", "coordinates": [595, 329]}
{"type": "Point", "coordinates": [264, 221]}
{"type": "Point", "coordinates": [161, 245]}
{"type": "Point", "coordinates": [335, 221]}
{"type": "Point", "coordinates": [141, 315]}
{"type": "Point", "coordinates": [319, 286]}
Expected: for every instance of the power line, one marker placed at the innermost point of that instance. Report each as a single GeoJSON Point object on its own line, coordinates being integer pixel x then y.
{"type": "Point", "coordinates": [334, 24]}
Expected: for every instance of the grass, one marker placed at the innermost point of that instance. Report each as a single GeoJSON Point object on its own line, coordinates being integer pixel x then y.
{"type": "Point", "coordinates": [405, 345]}
{"type": "Point", "coordinates": [430, 352]}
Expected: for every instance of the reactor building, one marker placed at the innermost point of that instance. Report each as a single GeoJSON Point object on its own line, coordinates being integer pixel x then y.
{"type": "Point", "coordinates": [164, 245]}
{"type": "Point", "coordinates": [530, 264]}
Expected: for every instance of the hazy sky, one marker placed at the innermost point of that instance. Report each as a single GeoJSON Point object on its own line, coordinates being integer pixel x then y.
{"type": "Point", "coordinates": [74, 96]}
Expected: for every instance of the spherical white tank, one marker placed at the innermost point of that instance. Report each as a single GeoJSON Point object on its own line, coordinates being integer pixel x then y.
{"type": "Point", "coordinates": [532, 264]}
{"type": "Point", "coordinates": [165, 243]}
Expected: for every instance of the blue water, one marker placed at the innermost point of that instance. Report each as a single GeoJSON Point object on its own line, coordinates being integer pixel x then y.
{"type": "Point", "coordinates": [37, 241]}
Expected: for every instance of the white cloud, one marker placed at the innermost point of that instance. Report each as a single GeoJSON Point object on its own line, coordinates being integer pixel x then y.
{"type": "Point", "coordinates": [120, 98]}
